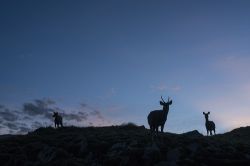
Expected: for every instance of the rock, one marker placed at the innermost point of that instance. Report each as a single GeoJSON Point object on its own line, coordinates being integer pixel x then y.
{"type": "Point", "coordinates": [4, 158]}
{"type": "Point", "coordinates": [133, 143]}
{"type": "Point", "coordinates": [88, 158]}
{"type": "Point", "coordinates": [193, 134]}
{"type": "Point", "coordinates": [134, 156]}
{"type": "Point", "coordinates": [118, 149]}
{"type": "Point", "coordinates": [193, 148]}
{"type": "Point", "coordinates": [247, 156]}
{"type": "Point", "coordinates": [115, 154]}
{"type": "Point", "coordinates": [83, 146]}
{"type": "Point", "coordinates": [106, 146]}
{"type": "Point", "coordinates": [166, 163]}
{"type": "Point", "coordinates": [173, 156]}
{"type": "Point", "coordinates": [151, 154]}
{"type": "Point", "coordinates": [49, 154]}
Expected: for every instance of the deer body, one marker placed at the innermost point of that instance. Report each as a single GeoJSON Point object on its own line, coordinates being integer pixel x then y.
{"type": "Point", "coordinates": [210, 125]}
{"type": "Point", "coordinates": [158, 118]}
{"type": "Point", "coordinates": [58, 120]}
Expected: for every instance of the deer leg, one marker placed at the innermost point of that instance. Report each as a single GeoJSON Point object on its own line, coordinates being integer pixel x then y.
{"type": "Point", "coordinates": [157, 130]}
{"type": "Point", "coordinates": [207, 132]}
{"type": "Point", "coordinates": [162, 127]}
{"type": "Point", "coordinates": [151, 130]}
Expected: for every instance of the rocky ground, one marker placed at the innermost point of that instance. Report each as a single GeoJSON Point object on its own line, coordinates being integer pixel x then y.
{"type": "Point", "coordinates": [123, 145]}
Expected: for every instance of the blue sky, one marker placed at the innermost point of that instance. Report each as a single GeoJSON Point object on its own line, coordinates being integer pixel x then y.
{"type": "Point", "coordinates": [118, 57]}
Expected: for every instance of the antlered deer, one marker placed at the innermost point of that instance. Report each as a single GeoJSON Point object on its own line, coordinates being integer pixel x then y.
{"type": "Point", "coordinates": [210, 126]}
{"type": "Point", "coordinates": [58, 120]}
{"type": "Point", "coordinates": [158, 118]}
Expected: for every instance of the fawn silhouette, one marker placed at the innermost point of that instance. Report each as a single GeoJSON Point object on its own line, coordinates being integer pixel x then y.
{"type": "Point", "coordinates": [158, 118]}
{"type": "Point", "coordinates": [210, 126]}
{"type": "Point", "coordinates": [58, 120]}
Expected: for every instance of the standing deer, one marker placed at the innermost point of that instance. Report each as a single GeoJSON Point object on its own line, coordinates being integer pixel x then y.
{"type": "Point", "coordinates": [58, 120]}
{"type": "Point", "coordinates": [210, 126]}
{"type": "Point", "coordinates": [158, 118]}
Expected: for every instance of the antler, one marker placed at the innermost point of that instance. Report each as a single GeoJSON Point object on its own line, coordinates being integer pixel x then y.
{"type": "Point", "coordinates": [162, 99]}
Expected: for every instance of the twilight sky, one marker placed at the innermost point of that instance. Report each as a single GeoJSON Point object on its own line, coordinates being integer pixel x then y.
{"type": "Point", "coordinates": [108, 62]}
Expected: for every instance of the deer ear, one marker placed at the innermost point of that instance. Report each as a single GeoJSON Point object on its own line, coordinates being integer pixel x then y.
{"type": "Point", "coordinates": [170, 102]}
{"type": "Point", "coordinates": [208, 112]}
{"type": "Point", "coordinates": [204, 113]}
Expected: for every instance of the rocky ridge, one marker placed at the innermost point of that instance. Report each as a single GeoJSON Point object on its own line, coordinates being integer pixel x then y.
{"type": "Point", "coordinates": [123, 145]}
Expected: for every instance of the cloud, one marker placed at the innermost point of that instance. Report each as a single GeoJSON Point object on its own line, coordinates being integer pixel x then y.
{"type": "Point", "coordinates": [7, 114]}
{"type": "Point", "coordinates": [46, 107]}
{"type": "Point", "coordinates": [11, 126]}
{"type": "Point", "coordinates": [176, 88]}
{"type": "Point", "coordinates": [25, 55]}
{"type": "Point", "coordinates": [229, 109]}
{"type": "Point", "coordinates": [36, 125]}
{"type": "Point", "coordinates": [38, 113]}
{"type": "Point", "coordinates": [83, 105]}
{"type": "Point", "coordinates": [79, 116]}
{"type": "Point", "coordinates": [97, 114]}
{"type": "Point", "coordinates": [160, 87]}
{"type": "Point", "coordinates": [1, 106]}
{"type": "Point", "coordinates": [23, 130]}
{"type": "Point", "coordinates": [91, 111]}
{"type": "Point", "coordinates": [115, 109]}
{"type": "Point", "coordinates": [109, 94]}
{"type": "Point", "coordinates": [227, 98]}
{"type": "Point", "coordinates": [164, 88]}
{"type": "Point", "coordinates": [39, 107]}
{"type": "Point", "coordinates": [234, 65]}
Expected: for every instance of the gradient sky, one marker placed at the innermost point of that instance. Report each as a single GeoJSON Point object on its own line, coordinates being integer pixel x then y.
{"type": "Point", "coordinates": [114, 59]}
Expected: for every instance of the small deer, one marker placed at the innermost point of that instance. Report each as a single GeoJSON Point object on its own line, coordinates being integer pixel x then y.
{"type": "Point", "coordinates": [158, 118]}
{"type": "Point", "coordinates": [210, 126]}
{"type": "Point", "coordinates": [58, 120]}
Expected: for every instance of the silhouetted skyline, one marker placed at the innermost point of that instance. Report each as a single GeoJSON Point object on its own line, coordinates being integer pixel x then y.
{"type": "Point", "coordinates": [108, 62]}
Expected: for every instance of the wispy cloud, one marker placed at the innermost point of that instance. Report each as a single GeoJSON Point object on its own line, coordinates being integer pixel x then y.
{"type": "Point", "coordinates": [39, 113]}
{"type": "Point", "coordinates": [228, 98]}
{"type": "Point", "coordinates": [229, 109]}
{"type": "Point", "coordinates": [109, 94]}
{"type": "Point", "coordinates": [7, 114]}
{"type": "Point", "coordinates": [25, 55]}
{"type": "Point", "coordinates": [163, 88]}
{"type": "Point", "coordinates": [45, 107]}
{"type": "Point", "coordinates": [39, 107]}
{"type": "Point", "coordinates": [234, 64]}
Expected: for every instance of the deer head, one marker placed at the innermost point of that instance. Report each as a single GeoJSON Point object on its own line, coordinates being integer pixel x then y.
{"type": "Point", "coordinates": [206, 115]}
{"type": "Point", "coordinates": [55, 114]}
{"type": "Point", "coordinates": [165, 104]}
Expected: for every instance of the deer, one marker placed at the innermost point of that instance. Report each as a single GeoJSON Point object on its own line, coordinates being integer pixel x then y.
{"type": "Point", "coordinates": [58, 120]}
{"type": "Point", "coordinates": [158, 118]}
{"type": "Point", "coordinates": [210, 126]}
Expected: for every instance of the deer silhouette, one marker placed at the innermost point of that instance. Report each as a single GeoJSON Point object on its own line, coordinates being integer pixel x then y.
{"type": "Point", "coordinates": [210, 126]}
{"type": "Point", "coordinates": [58, 120]}
{"type": "Point", "coordinates": [158, 118]}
